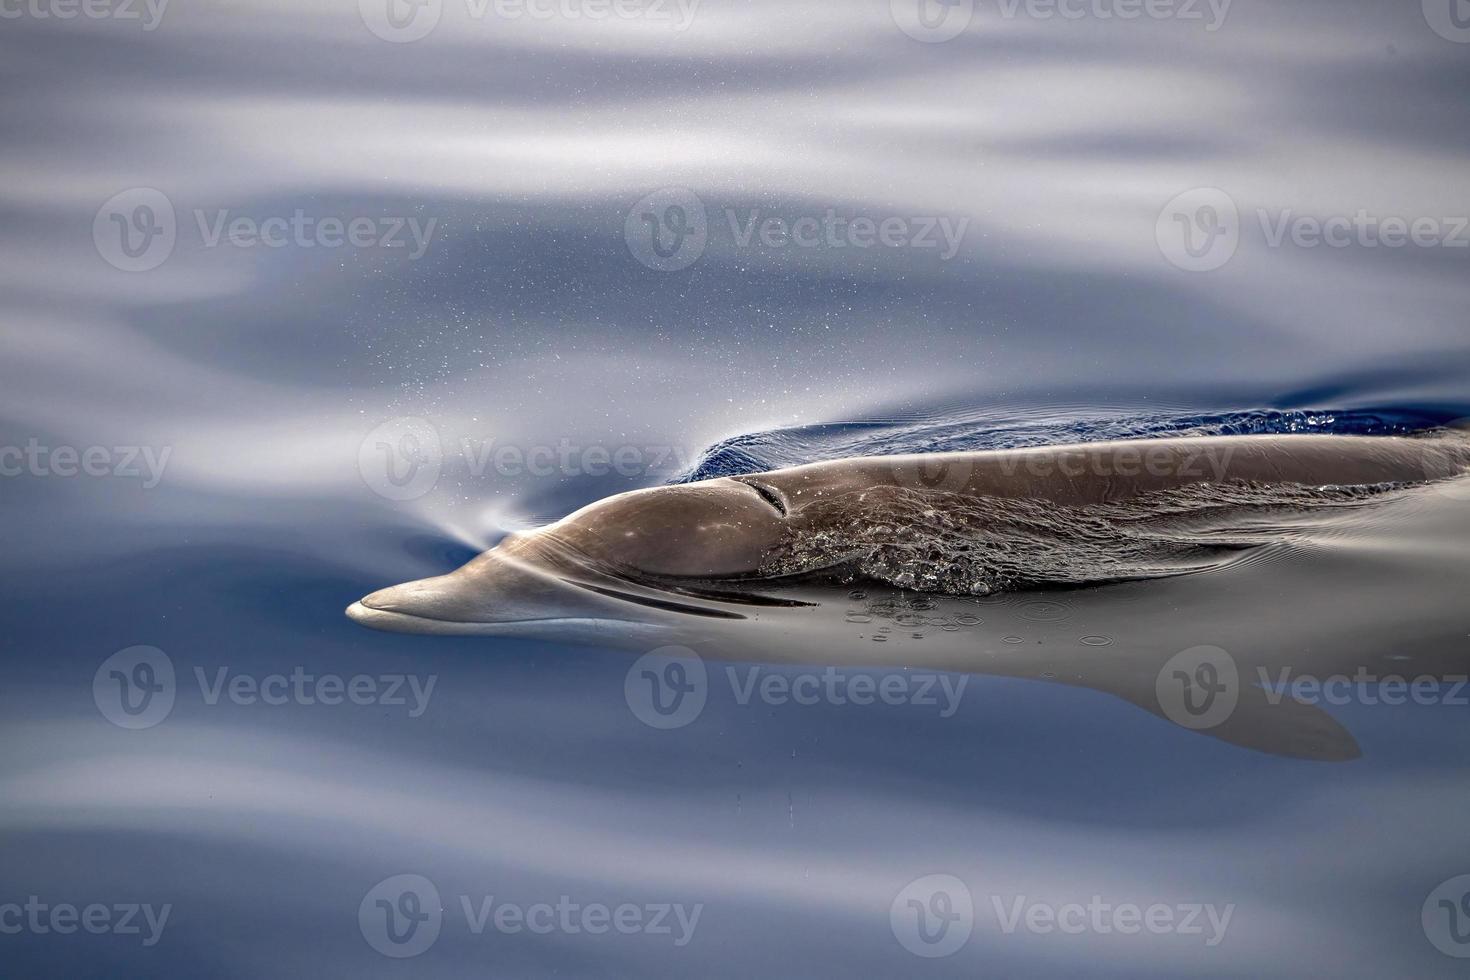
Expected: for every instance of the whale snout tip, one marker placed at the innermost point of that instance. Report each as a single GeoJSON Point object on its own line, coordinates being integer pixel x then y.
{"type": "Point", "coordinates": [397, 607]}
{"type": "Point", "coordinates": [364, 614]}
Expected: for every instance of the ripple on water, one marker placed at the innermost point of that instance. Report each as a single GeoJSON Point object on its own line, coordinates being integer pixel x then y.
{"type": "Point", "coordinates": [1044, 611]}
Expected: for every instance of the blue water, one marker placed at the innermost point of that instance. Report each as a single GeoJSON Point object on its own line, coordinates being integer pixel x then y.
{"type": "Point", "coordinates": [975, 430]}
{"type": "Point", "coordinates": [265, 382]}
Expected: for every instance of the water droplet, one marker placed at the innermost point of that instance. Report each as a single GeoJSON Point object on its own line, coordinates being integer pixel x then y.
{"type": "Point", "coordinates": [1042, 611]}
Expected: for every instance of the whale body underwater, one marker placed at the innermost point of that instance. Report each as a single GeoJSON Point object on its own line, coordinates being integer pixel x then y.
{"type": "Point", "coordinates": [950, 523]}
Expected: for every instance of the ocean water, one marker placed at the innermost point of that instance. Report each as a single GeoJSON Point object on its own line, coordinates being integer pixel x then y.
{"type": "Point", "coordinates": [223, 419]}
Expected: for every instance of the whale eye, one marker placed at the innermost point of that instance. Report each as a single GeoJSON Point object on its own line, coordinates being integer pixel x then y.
{"type": "Point", "coordinates": [767, 494]}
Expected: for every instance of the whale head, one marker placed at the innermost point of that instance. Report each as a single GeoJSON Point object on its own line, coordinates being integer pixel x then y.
{"type": "Point", "coordinates": [618, 561]}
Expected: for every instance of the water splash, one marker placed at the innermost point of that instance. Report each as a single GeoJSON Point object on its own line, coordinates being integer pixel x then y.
{"type": "Point", "coordinates": [935, 541]}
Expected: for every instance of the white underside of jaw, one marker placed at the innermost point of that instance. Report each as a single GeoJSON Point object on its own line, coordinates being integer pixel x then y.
{"type": "Point", "coordinates": [397, 622]}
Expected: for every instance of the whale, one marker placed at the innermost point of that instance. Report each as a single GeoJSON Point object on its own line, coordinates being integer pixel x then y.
{"type": "Point", "coordinates": [661, 548]}
{"type": "Point", "coordinates": [759, 567]}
